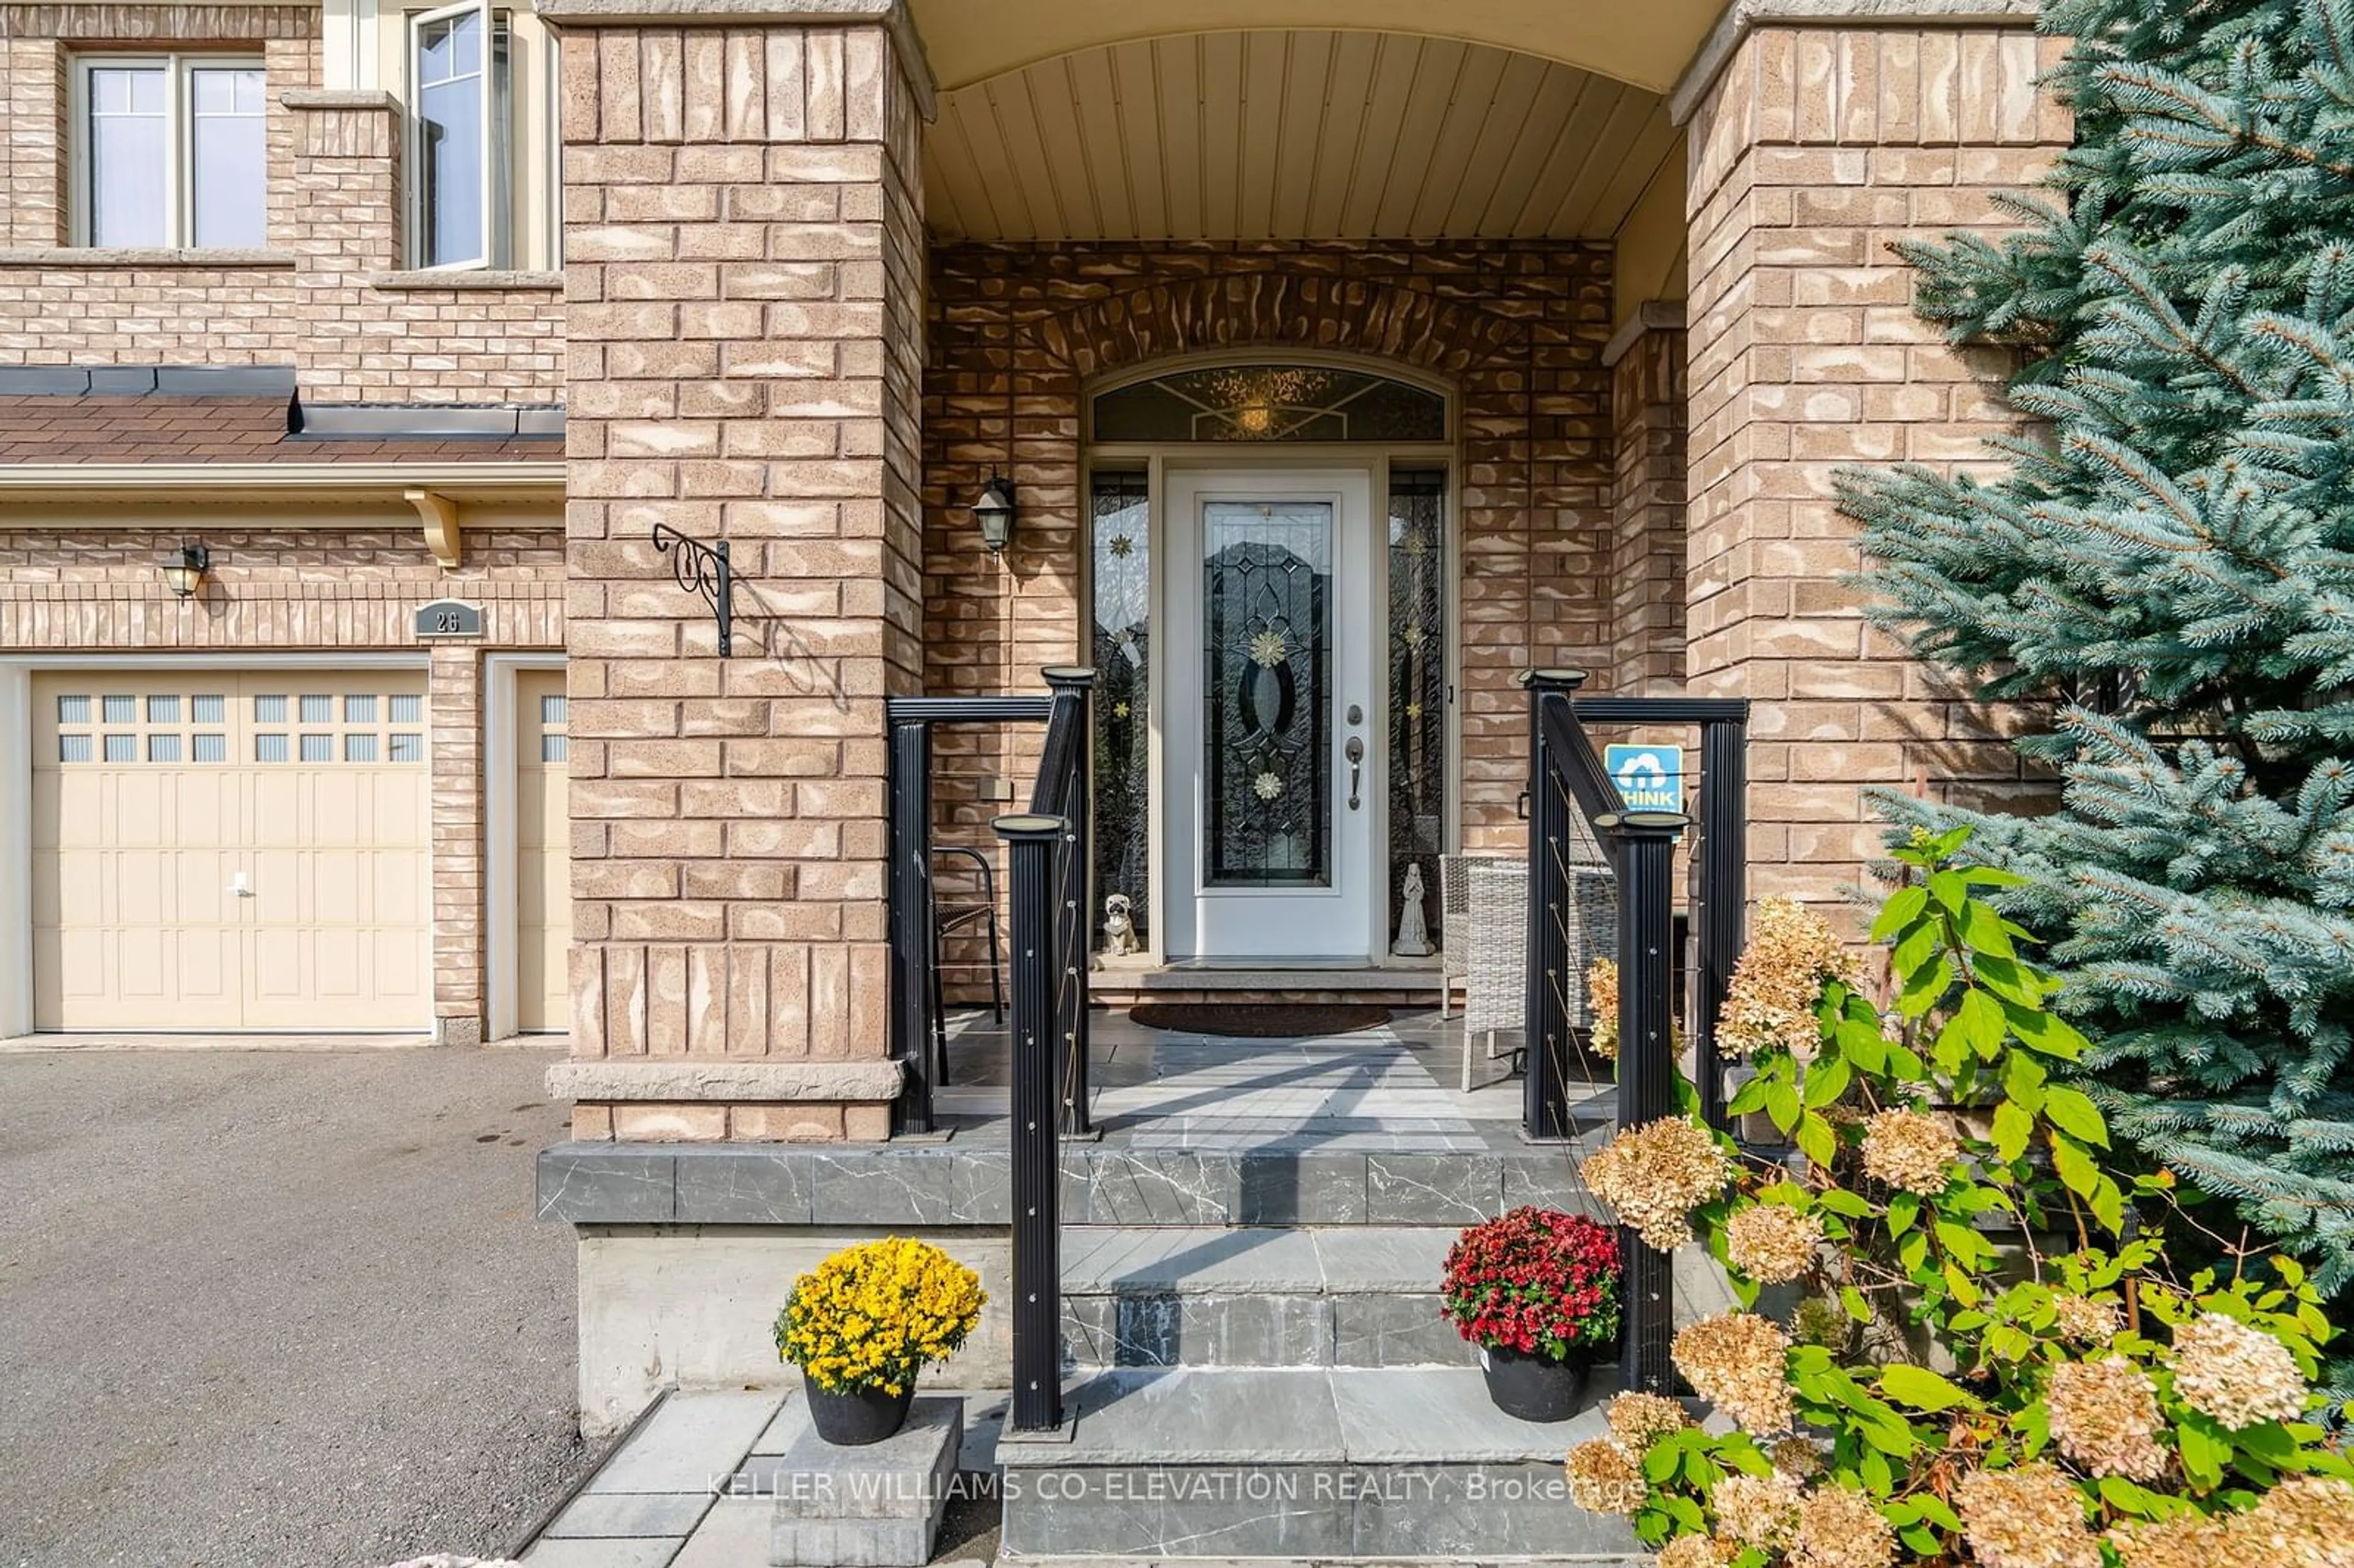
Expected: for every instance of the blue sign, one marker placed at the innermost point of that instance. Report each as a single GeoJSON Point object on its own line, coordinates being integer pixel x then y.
{"type": "Point", "coordinates": [1650, 777]}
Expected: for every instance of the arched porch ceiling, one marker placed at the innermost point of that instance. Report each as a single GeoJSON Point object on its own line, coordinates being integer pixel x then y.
{"type": "Point", "coordinates": [1293, 135]}
{"type": "Point", "coordinates": [1646, 45]}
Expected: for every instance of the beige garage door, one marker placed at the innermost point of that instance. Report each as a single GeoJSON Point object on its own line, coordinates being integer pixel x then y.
{"type": "Point", "coordinates": [227, 850]}
{"type": "Point", "coordinates": [543, 854]}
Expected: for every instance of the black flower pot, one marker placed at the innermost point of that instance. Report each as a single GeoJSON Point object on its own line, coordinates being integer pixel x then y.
{"type": "Point", "coordinates": [1534, 1387]}
{"type": "Point", "coordinates": [855, 1417]}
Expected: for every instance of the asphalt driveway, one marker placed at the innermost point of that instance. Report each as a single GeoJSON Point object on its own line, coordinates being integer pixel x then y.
{"type": "Point", "coordinates": [277, 1307]}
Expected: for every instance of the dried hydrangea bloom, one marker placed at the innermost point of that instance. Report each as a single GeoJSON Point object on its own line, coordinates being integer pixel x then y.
{"type": "Point", "coordinates": [1796, 1457]}
{"type": "Point", "coordinates": [1840, 1529]}
{"type": "Point", "coordinates": [2195, 1540]}
{"type": "Point", "coordinates": [1603, 1478]}
{"type": "Point", "coordinates": [1770, 1005]}
{"type": "Point", "coordinates": [1602, 996]}
{"type": "Point", "coordinates": [1697, 1552]}
{"type": "Point", "coordinates": [1773, 1243]}
{"type": "Point", "coordinates": [2301, 1523]}
{"type": "Point", "coordinates": [1637, 1420]}
{"type": "Point", "coordinates": [1756, 1510]}
{"type": "Point", "coordinates": [1655, 1175]}
{"type": "Point", "coordinates": [1908, 1150]}
{"type": "Point", "coordinates": [2105, 1417]}
{"type": "Point", "coordinates": [2085, 1321]}
{"type": "Point", "coordinates": [2028, 1517]}
{"type": "Point", "coordinates": [2237, 1375]}
{"type": "Point", "coordinates": [1739, 1362]}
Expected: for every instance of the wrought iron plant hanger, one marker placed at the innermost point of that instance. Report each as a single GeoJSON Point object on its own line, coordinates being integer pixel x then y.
{"type": "Point", "coordinates": [702, 569]}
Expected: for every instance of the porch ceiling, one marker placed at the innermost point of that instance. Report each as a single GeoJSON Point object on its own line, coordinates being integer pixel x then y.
{"type": "Point", "coordinates": [1293, 135]}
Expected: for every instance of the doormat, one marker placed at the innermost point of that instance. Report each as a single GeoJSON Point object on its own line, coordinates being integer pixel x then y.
{"type": "Point", "coordinates": [1258, 1020]}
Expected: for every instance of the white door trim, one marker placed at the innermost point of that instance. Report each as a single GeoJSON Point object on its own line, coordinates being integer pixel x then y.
{"type": "Point", "coordinates": [501, 834]}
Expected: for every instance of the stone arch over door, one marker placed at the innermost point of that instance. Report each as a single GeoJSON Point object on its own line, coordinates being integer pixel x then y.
{"type": "Point", "coordinates": [1018, 334]}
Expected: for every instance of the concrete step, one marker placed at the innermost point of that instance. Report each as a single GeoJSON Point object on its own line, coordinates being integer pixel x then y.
{"type": "Point", "coordinates": [1350, 1295]}
{"type": "Point", "coordinates": [1332, 1465]}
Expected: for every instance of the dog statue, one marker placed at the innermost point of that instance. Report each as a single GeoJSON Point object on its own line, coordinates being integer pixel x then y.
{"type": "Point", "coordinates": [1119, 925]}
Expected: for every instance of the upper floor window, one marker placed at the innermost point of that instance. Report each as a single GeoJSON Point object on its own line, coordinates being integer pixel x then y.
{"type": "Point", "coordinates": [480, 86]}
{"type": "Point", "coordinates": [170, 151]}
{"type": "Point", "coordinates": [460, 95]}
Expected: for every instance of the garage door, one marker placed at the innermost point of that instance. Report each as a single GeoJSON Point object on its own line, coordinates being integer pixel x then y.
{"type": "Point", "coordinates": [219, 851]}
{"type": "Point", "coordinates": [543, 854]}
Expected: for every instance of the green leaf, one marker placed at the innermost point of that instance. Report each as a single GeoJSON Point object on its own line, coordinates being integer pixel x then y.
{"type": "Point", "coordinates": [1903, 906]}
{"type": "Point", "coordinates": [1851, 1299]}
{"type": "Point", "coordinates": [1992, 876]}
{"type": "Point", "coordinates": [1979, 1018]}
{"type": "Point", "coordinates": [1862, 1045]}
{"type": "Point", "coordinates": [1950, 889]}
{"type": "Point", "coordinates": [1912, 953]}
{"type": "Point", "coordinates": [1782, 1104]}
{"type": "Point", "coordinates": [1903, 1208]}
{"type": "Point", "coordinates": [1983, 929]}
{"type": "Point", "coordinates": [2012, 1128]}
{"type": "Point", "coordinates": [1924, 987]}
{"type": "Point", "coordinates": [2076, 1167]}
{"type": "Point", "coordinates": [1815, 1139]}
{"type": "Point", "coordinates": [2205, 1451]}
{"type": "Point", "coordinates": [1826, 1081]}
{"type": "Point", "coordinates": [1751, 1097]}
{"type": "Point", "coordinates": [2108, 1205]}
{"type": "Point", "coordinates": [2075, 1113]}
{"type": "Point", "coordinates": [1839, 1201]}
{"type": "Point", "coordinates": [1922, 1389]}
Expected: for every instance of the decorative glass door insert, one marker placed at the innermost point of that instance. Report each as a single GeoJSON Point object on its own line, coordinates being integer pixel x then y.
{"type": "Point", "coordinates": [1267, 692]}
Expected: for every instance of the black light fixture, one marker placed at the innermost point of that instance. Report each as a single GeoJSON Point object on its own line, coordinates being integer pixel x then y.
{"type": "Point", "coordinates": [994, 512]}
{"type": "Point", "coordinates": [183, 572]}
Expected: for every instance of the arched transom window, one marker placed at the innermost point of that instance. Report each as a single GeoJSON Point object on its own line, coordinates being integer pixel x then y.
{"type": "Point", "coordinates": [1271, 403]}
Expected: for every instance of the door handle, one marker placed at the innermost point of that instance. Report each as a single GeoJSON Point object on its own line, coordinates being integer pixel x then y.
{"type": "Point", "coordinates": [1355, 752]}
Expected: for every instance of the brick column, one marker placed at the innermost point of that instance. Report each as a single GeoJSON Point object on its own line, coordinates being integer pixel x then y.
{"type": "Point", "coordinates": [454, 699]}
{"type": "Point", "coordinates": [1812, 149]}
{"type": "Point", "coordinates": [1647, 399]}
{"type": "Point", "coordinates": [743, 233]}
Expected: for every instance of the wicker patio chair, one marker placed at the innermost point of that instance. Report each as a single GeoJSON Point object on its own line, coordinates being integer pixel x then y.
{"type": "Point", "coordinates": [1494, 942]}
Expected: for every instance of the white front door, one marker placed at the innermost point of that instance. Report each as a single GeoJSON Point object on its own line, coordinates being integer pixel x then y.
{"type": "Point", "coordinates": [1269, 723]}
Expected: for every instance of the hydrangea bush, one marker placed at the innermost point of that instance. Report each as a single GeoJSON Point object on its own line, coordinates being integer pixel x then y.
{"type": "Point", "coordinates": [1990, 1360]}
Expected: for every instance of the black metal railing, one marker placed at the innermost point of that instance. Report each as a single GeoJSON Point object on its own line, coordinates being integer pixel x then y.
{"type": "Point", "coordinates": [1047, 931]}
{"type": "Point", "coordinates": [1573, 803]}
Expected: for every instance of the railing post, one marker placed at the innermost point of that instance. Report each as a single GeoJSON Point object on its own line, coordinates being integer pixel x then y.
{"type": "Point", "coordinates": [1724, 895]}
{"type": "Point", "coordinates": [1644, 845]}
{"type": "Point", "coordinates": [1075, 684]}
{"type": "Point", "coordinates": [1544, 1027]}
{"type": "Point", "coordinates": [911, 939]}
{"type": "Point", "coordinates": [1030, 842]}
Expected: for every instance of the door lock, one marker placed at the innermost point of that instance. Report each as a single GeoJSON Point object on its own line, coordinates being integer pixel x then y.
{"type": "Point", "coordinates": [1355, 752]}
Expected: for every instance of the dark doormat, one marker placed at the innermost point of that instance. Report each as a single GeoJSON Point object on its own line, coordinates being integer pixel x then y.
{"type": "Point", "coordinates": [1258, 1020]}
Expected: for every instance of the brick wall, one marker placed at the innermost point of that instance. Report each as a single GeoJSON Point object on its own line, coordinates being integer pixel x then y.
{"type": "Point", "coordinates": [1648, 395]}
{"type": "Point", "coordinates": [300, 589]}
{"type": "Point", "coordinates": [1018, 330]}
{"type": "Point", "coordinates": [743, 228]}
{"type": "Point", "coordinates": [1813, 151]}
{"type": "Point", "coordinates": [326, 295]}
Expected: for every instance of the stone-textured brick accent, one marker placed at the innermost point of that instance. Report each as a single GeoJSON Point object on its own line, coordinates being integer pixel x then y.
{"type": "Point", "coordinates": [1018, 331]}
{"type": "Point", "coordinates": [303, 589]}
{"type": "Point", "coordinates": [1814, 150]}
{"type": "Point", "coordinates": [744, 239]}
{"type": "Point", "coordinates": [334, 227]}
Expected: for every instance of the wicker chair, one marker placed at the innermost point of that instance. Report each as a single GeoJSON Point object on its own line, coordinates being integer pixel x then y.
{"type": "Point", "coordinates": [1489, 941]}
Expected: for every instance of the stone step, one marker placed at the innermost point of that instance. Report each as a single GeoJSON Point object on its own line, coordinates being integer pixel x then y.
{"type": "Point", "coordinates": [1333, 1465]}
{"type": "Point", "coordinates": [1201, 1176]}
{"type": "Point", "coordinates": [1350, 1295]}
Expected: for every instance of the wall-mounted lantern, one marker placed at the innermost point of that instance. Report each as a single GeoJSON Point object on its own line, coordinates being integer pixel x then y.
{"type": "Point", "coordinates": [183, 570]}
{"type": "Point", "coordinates": [994, 512]}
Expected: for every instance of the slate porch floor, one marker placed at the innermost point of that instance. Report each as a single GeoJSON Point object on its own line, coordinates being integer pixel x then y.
{"type": "Point", "coordinates": [1388, 1089]}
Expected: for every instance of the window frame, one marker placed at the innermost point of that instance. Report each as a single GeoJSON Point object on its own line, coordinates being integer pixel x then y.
{"type": "Point", "coordinates": [180, 166]}
{"type": "Point", "coordinates": [495, 217]}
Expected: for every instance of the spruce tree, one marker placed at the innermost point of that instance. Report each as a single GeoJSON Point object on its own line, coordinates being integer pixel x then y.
{"type": "Point", "coordinates": [2167, 569]}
